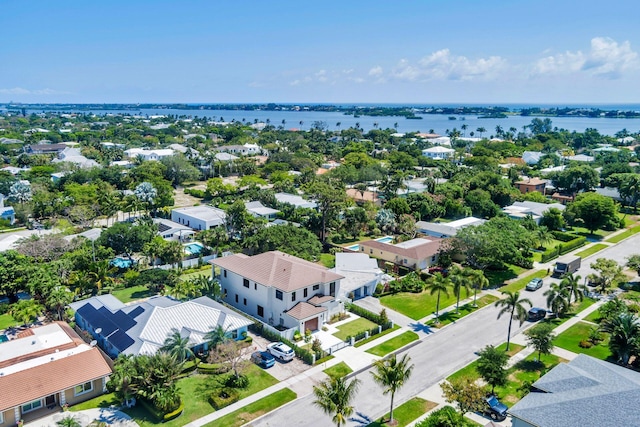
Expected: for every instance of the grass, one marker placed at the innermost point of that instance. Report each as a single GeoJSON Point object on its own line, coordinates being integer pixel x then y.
{"type": "Point", "coordinates": [206, 270]}
{"type": "Point", "coordinates": [338, 371]}
{"type": "Point", "coordinates": [570, 339]}
{"type": "Point", "coordinates": [393, 344]}
{"type": "Point", "coordinates": [328, 260]}
{"type": "Point", "coordinates": [576, 308]}
{"type": "Point", "coordinates": [418, 305]}
{"type": "Point", "coordinates": [407, 412]}
{"type": "Point", "coordinates": [353, 328]}
{"type": "Point", "coordinates": [7, 321]}
{"type": "Point", "coordinates": [497, 278]}
{"type": "Point", "coordinates": [254, 410]}
{"type": "Point", "coordinates": [195, 391]}
{"type": "Point", "coordinates": [597, 235]}
{"type": "Point", "coordinates": [518, 285]}
{"type": "Point", "coordinates": [469, 371]}
{"type": "Point", "coordinates": [452, 316]}
{"type": "Point", "coordinates": [133, 293]}
{"type": "Point", "coordinates": [103, 401]}
{"type": "Point", "coordinates": [627, 233]}
{"type": "Point", "coordinates": [594, 317]}
{"type": "Point", "coordinates": [592, 250]}
{"type": "Point", "coordinates": [375, 337]}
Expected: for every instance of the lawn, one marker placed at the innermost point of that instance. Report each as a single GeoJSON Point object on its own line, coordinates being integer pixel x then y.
{"type": "Point", "coordinates": [7, 321]}
{"type": "Point", "coordinates": [328, 260]}
{"type": "Point", "coordinates": [575, 309]}
{"type": "Point", "coordinates": [594, 317]}
{"type": "Point", "coordinates": [592, 250]}
{"type": "Point", "coordinates": [375, 337]}
{"type": "Point", "coordinates": [195, 391]}
{"type": "Point", "coordinates": [518, 285]}
{"type": "Point", "coordinates": [254, 410]}
{"type": "Point", "coordinates": [393, 344]}
{"type": "Point", "coordinates": [338, 371]}
{"type": "Point", "coordinates": [103, 401]}
{"type": "Point", "coordinates": [627, 233]}
{"type": "Point", "coordinates": [469, 371]}
{"type": "Point", "coordinates": [353, 328]}
{"type": "Point", "coordinates": [416, 306]}
{"type": "Point", "coordinates": [452, 316]}
{"type": "Point", "coordinates": [497, 278]}
{"type": "Point", "coordinates": [598, 235]}
{"type": "Point", "coordinates": [206, 270]}
{"type": "Point", "coordinates": [407, 412]}
{"type": "Point", "coordinates": [133, 293]}
{"type": "Point", "coordinates": [570, 339]}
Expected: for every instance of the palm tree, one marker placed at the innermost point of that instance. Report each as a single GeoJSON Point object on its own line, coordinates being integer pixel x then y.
{"type": "Point", "coordinates": [514, 305]}
{"type": "Point", "coordinates": [479, 281]}
{"type": "Point", "coordinates": [146, 193]}
{"type": "Point", "coordinates": [464, 129]}
{"type": "Point", "coordinates": [100, 272]}
{"type": "Point", "coordinates": [460, 281]}
{"type": "Point", "coordinates": [392, 374]}
{"type": "Point", "coordinates": [177, 346]}
{"type": "Point", "coordinates": [481, 130]}
{"type": "Point", "coordinates": [571, 284]}
{"type": "Point", "coordinates": [625, 336]}
{"type": "Point", "coordinates": [439, 284]}
{"type": "Point", "coordinates": [543, 236]}
{"type": "Point", "coordinates": [557, 299]}
{"type": "Point", "coordinates": [68, 421]}
{"type": "Point", "coordinates": [217, 335]}
{"type": "Point", "coordinates": [334, 397]}
{"type": "Point", "coordinates": [58, 300]}
{"type": "Point", "coordinates": [26, 311]}
{"type": "Point", "coordinates": [20, 192]}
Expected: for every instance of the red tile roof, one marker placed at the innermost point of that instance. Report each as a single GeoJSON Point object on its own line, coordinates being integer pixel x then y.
{"type": "Point", "coordinates": [304, 310]}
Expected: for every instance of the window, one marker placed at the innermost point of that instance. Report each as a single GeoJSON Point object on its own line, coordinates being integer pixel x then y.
{"type": "Point", "coordinates": [236, 298]}
{"type": "Point", "coordinates": [245, 283]}
{"type": "Point", "coordinates": [279, 295]}
{"type": "Point", "coordinates": [316, 287]}
{"type": "Point", "coordinates": [244, 300]}
{"type": "Point", "coordinates": [83, 388]}
{"type": "Point", "coordinates": [260, 311]}
{"type": "Point", "coordinates": [255, 286]}
{"type": "Point", "coordinates": [32, 406]}
{"type": "Point", "coordinates": [433, 258]}
{"type": "Point", "coordinates": [293, 296]}
{"type": "Point", "coordinates": [1, 419]}
{"type": "Point", "coordinates": [234, 334]}
{"type": "Point", "coordinates": [332, 289]}
{"type": "Point", "coordinates": [370, 251]}
{"type": "Point", "coordinates": [224, 273]}
{"type": "Point", "coordinates": [305, 292]}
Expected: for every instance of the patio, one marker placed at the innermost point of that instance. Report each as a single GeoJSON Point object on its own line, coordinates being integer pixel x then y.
{"type": "Point", "coordinates": [111, 416]}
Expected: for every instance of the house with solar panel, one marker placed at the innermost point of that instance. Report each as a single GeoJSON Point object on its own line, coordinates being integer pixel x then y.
{"type": "Point", "coordinates": [142, 328]}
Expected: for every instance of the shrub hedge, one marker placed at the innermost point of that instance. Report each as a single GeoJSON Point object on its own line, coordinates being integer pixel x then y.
{"type": "Point", "coordinates": [175, 414]}
{"type": "Point", "coordinates": [302, 353]}
{"type": "Point", "coordinates": [375, 318]}
{"type": "Point", "coordinates": [563, 248]}
{"type": "Point", "coordinates": [223, 397]}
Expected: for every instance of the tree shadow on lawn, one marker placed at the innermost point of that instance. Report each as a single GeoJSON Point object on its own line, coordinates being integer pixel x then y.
{"type": "Point", "coordinates": [497, 278]}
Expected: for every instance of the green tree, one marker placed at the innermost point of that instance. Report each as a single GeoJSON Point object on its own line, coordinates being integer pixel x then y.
{"type": "Point", "coordinates": [26, 311]}
{"type": "Point", "coordinates": [593, 210]}
{"type": "Point", "coordinates": [217, 336]}
{"type": "Point", "coordinates": [334, 397]}
{"type": "Point", "coordinates": [557, 299]}
{"type": "Point", "coordinates": [126, 238]}
{"type": "Point", "coordinates": [515, 307]}
{"type": "Point", "coordinates": [178, 169]}
{"type": "Point", "coordinates": [624, 341]}
{"type": "Point", "coordinates": [290, 239]}
{"type": "Point", "coordinates": [461, 281]}
{"type": "Point", "coordinates": [609, 273]}
{"type": "Point", "coordinates": [436, 285]}
{"type": "Point", "coordinates": [633, 262]}
{"type": "Point", "coordinates": [478, 281]}
{"type": "Point", "coordinates": [552, 219]}
{"type": "Point", "coordinates": [541, 337]}
{"type": "Point", "coordinates": [177, 346]}
{"type": "Point", "coordinates": [571, 284]}
{"type": "Point", "coordinates": [446, 416]}
{"type": "Point", "coordinates": [58, 299]}
{"type": "Point", "coordinates": [329, 198]}
{"type": "Point", "coordinates": [465, 393]}
{"type": "Point", "coordinates": [68, 421]}
{"type": "Point", "coordinates": [492, 366]}
{"type": "Point", "coordinates": [391, 374]}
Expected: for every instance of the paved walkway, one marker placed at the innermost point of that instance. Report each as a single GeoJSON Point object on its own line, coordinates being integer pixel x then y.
{"type": "Point", "coordinates": [110, 416]}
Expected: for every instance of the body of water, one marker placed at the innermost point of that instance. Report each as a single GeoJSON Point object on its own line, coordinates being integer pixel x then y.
{"type": "Point", "coordinates": [439, 123]}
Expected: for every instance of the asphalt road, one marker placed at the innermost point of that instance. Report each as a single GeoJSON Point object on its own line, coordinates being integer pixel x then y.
{"type": "Point", "coordinates": [435, 357]}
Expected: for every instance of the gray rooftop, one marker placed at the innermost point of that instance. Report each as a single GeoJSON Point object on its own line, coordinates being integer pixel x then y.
{"type": "Point", "coordinates": [583, 392]}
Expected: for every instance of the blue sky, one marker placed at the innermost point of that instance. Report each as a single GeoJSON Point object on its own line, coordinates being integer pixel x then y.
{"type": "Point", "coordinates": [429, 51]}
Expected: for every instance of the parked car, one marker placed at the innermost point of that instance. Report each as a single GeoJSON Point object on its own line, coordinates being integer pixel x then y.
{"type": "Point", "coordinates": [495, 409]}
{"type": "Point", "coordinates": [263, 359]}
{"type": "Point", "coordinates": [534, 284]}
{"type": "Point", "coordinates": [281, 351]}
{"type": "Point", "coordinates": [537, 313]}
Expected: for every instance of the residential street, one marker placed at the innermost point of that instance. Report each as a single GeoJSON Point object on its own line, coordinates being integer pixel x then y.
{"type": "Point", "coordinates": [436, 356]}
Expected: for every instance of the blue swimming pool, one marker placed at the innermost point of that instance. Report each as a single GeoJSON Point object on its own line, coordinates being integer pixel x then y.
{"type": "Point", "coordinates": [3, 338]}
{"type": "Point", "coordinates": [121, 262]}
{"type": "Point", "coordinates": [193, 248]}
{"type": "Point", "coordinates": [385, 239]}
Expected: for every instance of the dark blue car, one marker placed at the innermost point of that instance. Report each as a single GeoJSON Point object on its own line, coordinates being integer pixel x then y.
{"type": "Point", "coordinates": [263, 359]}
{"type": "Point", "coordinates": [495, 409]}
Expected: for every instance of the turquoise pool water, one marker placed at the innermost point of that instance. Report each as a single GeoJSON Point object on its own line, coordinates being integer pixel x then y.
{"type": "Point", "coordinates": [385, 239]}
{"type": "Point", "coordinates": [121, 262]}
{"type": "Point", "coordinates": [193, 248]}
{"type": "Point", "coordinates": [3, 338]}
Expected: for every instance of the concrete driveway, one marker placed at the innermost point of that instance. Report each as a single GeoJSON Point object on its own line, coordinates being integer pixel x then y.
{"type": "Point", "coordinates": [281, 370]}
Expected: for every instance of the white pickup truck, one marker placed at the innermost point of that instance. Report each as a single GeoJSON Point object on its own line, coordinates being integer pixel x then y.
{"type": "Point", "coordinates": [281, 351]}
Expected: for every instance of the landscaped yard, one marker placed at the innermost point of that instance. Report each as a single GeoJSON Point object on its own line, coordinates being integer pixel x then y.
{"type": "Point", "coordinates": [416, 306]}
{"type": "Point", "coordinates": [254, 410]}
{"type": "Point", "coordinates": [338, 371]}
{"type": "Point", "coordinates": [393, 344]}
{"type": "Point", "coordinates": [7, 321]}
{"type": "Point", "coordinates": [195, 391]}
{"type": "Point", "coordinates": [576, 308]}
{"type": "Point", "coordinates": [133, 293]}
{"type": "Point", "coordinates": [570, 340]}
{"type": "Point", "coordinates": [497, 278]}
{"type": "Point", "coordinates": [206, 270]}
{"type": "Point", "coordinates": [627, 233]}
{"type": "Point", "coordinates": [353, 328]}
{"type": "Point", "coordinates": [594, 317]}
{"type": "Point", "coordinates": [407, 412]}
{"type": "Point", "coordinates": [518, 285]}
{"type": "Point", "coordinates": [375, 337]}
{"type": "Point", "coordinates": [452, 316]}
{"type": "Point", "coordinates": [469, 371]}
{"type": "Point", "coordinates": [103, 401]}
{"type": "Point", "coordinates": [592, 250]}
{"type": "Point", "coordinates": [328, 260]}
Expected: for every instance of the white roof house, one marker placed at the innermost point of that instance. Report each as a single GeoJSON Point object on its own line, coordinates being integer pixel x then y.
{"type": "Point", "coordinates": [580, 158]}
{"type": "Point", "coordinates": [295, 200]}
{"type": "Point", "coordinates": [257, 209]}
{"type": "Point", "coordinates": [446, 229]}
{"type": "Point", "coordinates": [199, 217]}
{"type": "Point", "coordinates": [438, 153]}
{"type": "Point", "coordinates": [133, 153]}
{"type": "Point", "coordinates": [73, 155]}
{"type": "Point", "coordinates": [520, 210]}
{"type": "Point", "coordinates": [532, 157]}
{"type": "Point", "coordinates": [225, 157]}
{"type": "Point", "coordinates": [361, 274]}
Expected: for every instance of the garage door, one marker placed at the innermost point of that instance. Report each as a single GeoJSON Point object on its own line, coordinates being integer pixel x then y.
{"type": "Point", "coordinates": [311, 325]}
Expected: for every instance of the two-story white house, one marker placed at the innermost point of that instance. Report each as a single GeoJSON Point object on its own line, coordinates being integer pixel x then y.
{"type": "Point", "coordinates": [280, 289]}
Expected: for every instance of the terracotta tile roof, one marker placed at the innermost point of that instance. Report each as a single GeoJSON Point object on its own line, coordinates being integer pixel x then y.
{"type": "Point", "coordinates": [277, 269]}
{"type": "Point", "coordinates": [49, 378]}
{"type": "Point", "coordinates": [366, 195]}
{"type": "Point", "coordinates": [317, 299]}
{"type": "Point", "coordinates": [532, 181]}
{"type": "Point", "coordinates": [417, 252]}
{"type": "Point", "coordinates": [304, 310]}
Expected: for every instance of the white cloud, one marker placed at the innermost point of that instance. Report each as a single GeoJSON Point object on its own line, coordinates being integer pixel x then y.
{"type": "Point", "coordinates": [23, 91]}
{"type": "Point", "coordinates": [442, 65]}
{"type": "Point", "coordinates": [376, 71]}
{"type": "Point", "coordinates": [606, 58]}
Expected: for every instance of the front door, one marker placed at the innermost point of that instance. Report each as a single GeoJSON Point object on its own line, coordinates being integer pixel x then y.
{"type": "Point", "coordinates": [50, 400]}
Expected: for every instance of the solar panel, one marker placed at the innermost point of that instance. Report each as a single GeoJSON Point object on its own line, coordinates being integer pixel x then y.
{"type": "Point", "coordinates": [121, 341]}
{"type": "Point", "coordinates": [123, 320]}
{"type": "Point", "coordinates": [97, 319]}
{"type": "Point", "coordinates": [136, 312]}
{"type": "Point", "coordinates": [163, 227]}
